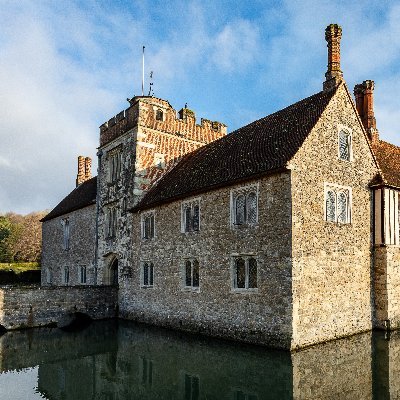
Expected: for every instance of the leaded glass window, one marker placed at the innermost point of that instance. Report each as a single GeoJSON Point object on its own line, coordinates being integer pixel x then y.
{"type": "Point", "coordinates": [192, 274]}
{"type": "Point", "coordinates": [245, 273]}
{"type": "Point", "coordinates": [251, 208]}
{"type": "Point", "coordinates": [191, 216]}
{"type": "Point", "coordinates": [330, 206]}
{"type": "Point", "coordinates": [244, 206]}
{"type": "Point", "coordinates": [342, 207]}
{"type": "Point", "coordinates": [240, 203]}
{"type": "Point", "coordinates": [148, 226]}
{"type": "Point", "coordinates": [148, 274]}
{"type": "Point", "coordinates": [337, 203]}
{"type": "Point", "coordinates": [344, 145]}
{"type": "Point", "coordinates": [240, 273]}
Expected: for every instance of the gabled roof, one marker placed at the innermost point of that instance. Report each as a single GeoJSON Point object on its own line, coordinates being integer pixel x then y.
{"type": "Point", "coordinates": [388, 158]}
{"type": "Point", "coordinates": [82, 196]}
{"type": "Point", "coordinates": [264, 146]}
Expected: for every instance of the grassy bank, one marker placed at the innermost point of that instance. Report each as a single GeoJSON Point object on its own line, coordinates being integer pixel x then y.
{"type": "Point", "coordinates": [20, 267]}
{"type": "Point", "coordinates": [19, 273]}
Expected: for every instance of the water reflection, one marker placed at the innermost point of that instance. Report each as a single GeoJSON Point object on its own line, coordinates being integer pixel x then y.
{"type": "Point", "coordinates": [118, 361]}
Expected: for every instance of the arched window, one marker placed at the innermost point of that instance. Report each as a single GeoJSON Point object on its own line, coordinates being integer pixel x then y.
{"type": "Point", "coordinates": [159, 115]}
{"type": "Point", "coordinates": [240, 204]}
{"type": "Point", "coordinates": [244, 206]}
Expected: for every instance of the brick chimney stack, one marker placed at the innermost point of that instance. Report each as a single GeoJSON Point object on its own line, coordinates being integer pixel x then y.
{"type": "Point", "coordinates": [364, 94]}
{"type": "Point", "coordinates": [88, 168]}
{"type": "Point", "coordinates": [334, 75]}
{"type": "Point", "coordinates": [84, 170]}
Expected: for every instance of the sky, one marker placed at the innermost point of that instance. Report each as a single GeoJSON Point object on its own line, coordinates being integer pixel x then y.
{"type": "Point", "coordinates": [67, 66]}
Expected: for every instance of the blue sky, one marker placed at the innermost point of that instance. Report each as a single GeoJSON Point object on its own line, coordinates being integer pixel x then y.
{"type": "Point", "coordinates": [68, 66]}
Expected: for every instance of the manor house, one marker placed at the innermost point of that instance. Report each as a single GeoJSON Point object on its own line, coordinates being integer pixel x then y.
{"type": "Point", "coordinates": [284, 232]}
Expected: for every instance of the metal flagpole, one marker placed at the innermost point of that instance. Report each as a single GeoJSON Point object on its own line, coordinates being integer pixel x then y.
{"type": "Point", "coordinates": [143, 73]}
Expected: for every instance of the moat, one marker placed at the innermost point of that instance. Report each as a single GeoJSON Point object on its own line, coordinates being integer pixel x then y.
{"type": "Point", "coordinates": [112, 360]}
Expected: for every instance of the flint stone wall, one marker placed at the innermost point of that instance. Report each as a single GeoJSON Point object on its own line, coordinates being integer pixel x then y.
{"type": "Point", "coordinates": [40, 306]}
{"type": "Point", "coordinates": [216, 309]}
{"type": "Point", "coordinates": [332, 262]}
{"type": "Point", "coordinates": [387, 285]}
{"type": "Point", "coordinates": [81, 251]}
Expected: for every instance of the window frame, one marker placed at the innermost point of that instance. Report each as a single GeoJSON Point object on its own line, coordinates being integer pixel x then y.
{"type": "Point", "coordinates": [190, 205]}
{"type": "Point", "coordinates": [66, 229]}
{"type": "Point", "coordinates": [244, 191]}
{"type": "Point", "coordinates": [143, 265]}
{"type": "Point", "coordinates": [246, 257]}
{"type": "Point", "coordinates": [114, 164]}
{"type": "Point", "coordinates": [65, 277]}
{"type": "Point", "coordinates": [349, 132]}
{"type": "Point", "coordinates": [337, 190]}
{"type": "Point", "coordinates": [144, 227]}
{"type": "Point", "coordinates": [191, 287]}
{"type": "Point", "coordinates": [82, 275]}
{"type": "Point", "coordinates": [111, 222]}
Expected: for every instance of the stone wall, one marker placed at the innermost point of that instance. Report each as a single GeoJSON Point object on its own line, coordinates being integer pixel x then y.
{"type": "Point", "coordinates": [262, 316]}
{"type": "Point", "coordinates": [387, 286]}
{"type": "Point", "coordinates": [38, 306]}
{"type": "Point", "coordinates": [81, 250]}
{"type": "Point", "coordinates": [332, 295]}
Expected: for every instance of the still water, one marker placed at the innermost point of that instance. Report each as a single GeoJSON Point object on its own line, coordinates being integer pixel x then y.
{"type": "Point", "coordinates": [112, 360]}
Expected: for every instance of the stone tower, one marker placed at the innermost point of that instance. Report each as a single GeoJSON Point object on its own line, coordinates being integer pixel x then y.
{"type": "Point", "coordinates": [136, 147]}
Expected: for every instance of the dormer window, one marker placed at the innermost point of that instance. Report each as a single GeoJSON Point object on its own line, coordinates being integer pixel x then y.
{"type": "Point", "coordinates": [345, 145]}
{"type": "Point", "coordinates": [159, 115]}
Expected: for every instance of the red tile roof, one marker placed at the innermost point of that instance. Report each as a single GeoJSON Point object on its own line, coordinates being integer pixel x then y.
{"type": "Point", "coordinates": [261, 147]}
{"type": "Point", "coordinates": [388, 158]}
{"type": "Point", "coordinates": [82, 196]}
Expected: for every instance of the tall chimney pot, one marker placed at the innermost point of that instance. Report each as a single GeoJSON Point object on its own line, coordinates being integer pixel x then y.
{"type": "Point", "coordinates": [334, 75]}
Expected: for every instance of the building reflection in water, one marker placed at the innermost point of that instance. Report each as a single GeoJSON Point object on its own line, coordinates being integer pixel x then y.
{"type": "Point", "coordinates": [118, 361]}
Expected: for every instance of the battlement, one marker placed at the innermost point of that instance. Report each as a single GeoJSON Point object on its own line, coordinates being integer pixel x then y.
{"type": "Point", "coordinates": [154, 113]}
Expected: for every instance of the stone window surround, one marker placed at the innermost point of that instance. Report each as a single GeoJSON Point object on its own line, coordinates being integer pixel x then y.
{"type": "Point", "coordinates": [191, 384]}
{"type": "Point", "coordinates": [244, 190]}
{"type": "Point", "coordinates": [114, 164]}
{"type": "Point", "coordinates": [111, 221]}
{"type": "Point", "coordinates": [82, 274]}
{"type": "Point", "coordinates": [246, 256]}
{"type": "Point", "coordinates": [142, 266]}
{"type": "Point", "coordinates": [185, 288]}
{"type": "Point", "coordinates": [49, 276]}
{"type": "Point", "coordinates": [65, 275]}
{"type": "Point", "coordinates": [349, 131]}
{"type": "Point", "coordinates": [160, 108]}
{"type": "Point", "coordinates": [337, 187]}
{"type": "Point", "coordinates": [66, 228]}
{"type": "Point", "coordinates": [190, 202]}
{"type": "Point", "coordinates": [143, 217]}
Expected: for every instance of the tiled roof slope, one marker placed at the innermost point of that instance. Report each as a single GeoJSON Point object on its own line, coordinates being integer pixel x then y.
{"type": "Point", "coordinates": [263, 146]}
{"type": "Point", "coordinates": [388, 157]}
{"type": "Point", "coordinates": [82, 196]}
